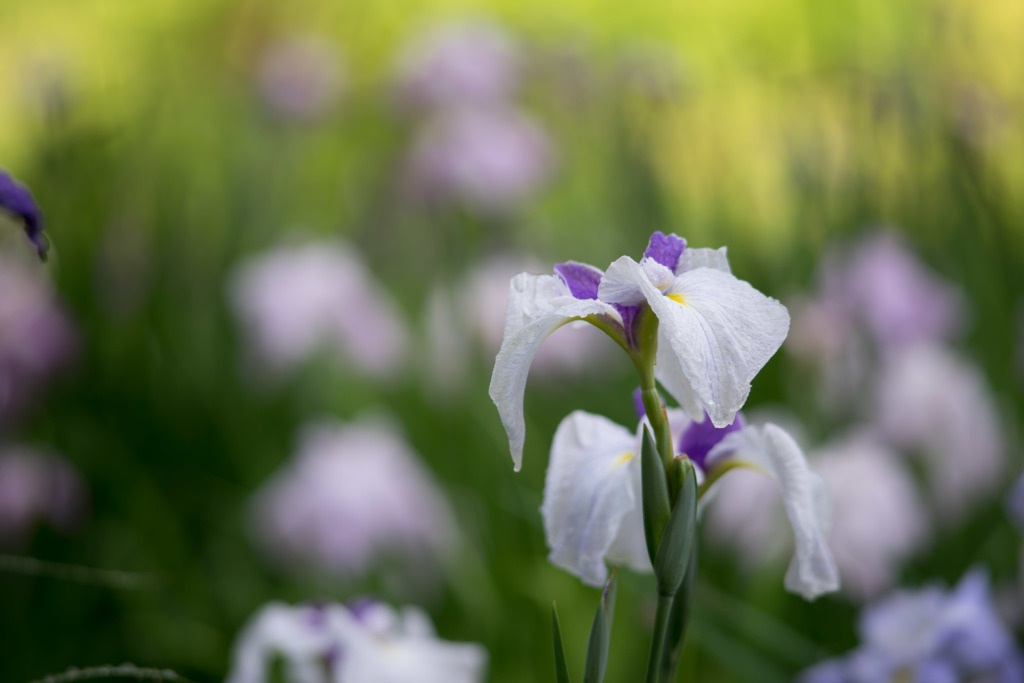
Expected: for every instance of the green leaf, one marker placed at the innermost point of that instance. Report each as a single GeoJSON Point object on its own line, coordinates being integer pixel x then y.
{"type": "Point", "coordinates": [654, 489]}
{"type": "Point", "coordinates": [561, 668]}
{"type": "Point", "coordinates": [675, 636]}
{"type": "Point", "coordinates": [677, 540]}
{"type": "Point", "coordinates": [600, 635]}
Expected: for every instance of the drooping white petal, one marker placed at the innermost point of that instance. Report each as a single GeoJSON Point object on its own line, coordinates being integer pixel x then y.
{"type": "Point", "coordinates": [721, 331]}
{"type": "Point", "coordinates": [691, 259]}
{"type": "Point", "coordinates": [537, 306]}
{"type": "Point", "coordinates": [774, 452]}
{"type": "Point", "coordinates": [592, 506]}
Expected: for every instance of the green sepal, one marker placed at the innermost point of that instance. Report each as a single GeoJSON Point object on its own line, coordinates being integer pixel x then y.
{"type": "Point", "coordinates": [561, 668]}
{"type": "Point", "coordinates": [677, 540]}
{"type": "Point", "coordinates": [600, 634]}
{"type": "Point", "coordinates": [678, 620]}
{"type": "Point", "coordinates": [654, 489]}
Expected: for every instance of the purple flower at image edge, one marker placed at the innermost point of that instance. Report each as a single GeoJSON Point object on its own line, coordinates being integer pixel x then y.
{"type": "Point", "coordinates": [17, 200]}
{"type": "Point", "coordinates": [929, 634]}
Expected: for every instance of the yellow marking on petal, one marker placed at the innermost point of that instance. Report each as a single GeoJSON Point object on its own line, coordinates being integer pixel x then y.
{"type": "Point", "coordinates": [678, 298]}
{"type": "Point", "coordinates": [623, 459]}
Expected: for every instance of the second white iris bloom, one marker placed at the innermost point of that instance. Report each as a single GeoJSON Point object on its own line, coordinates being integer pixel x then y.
{"type": "Point", "coordinates": [592, 505]}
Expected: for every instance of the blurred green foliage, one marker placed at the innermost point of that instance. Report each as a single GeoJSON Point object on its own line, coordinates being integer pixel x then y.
{"type": "Point", "coordinates": [773, 128]}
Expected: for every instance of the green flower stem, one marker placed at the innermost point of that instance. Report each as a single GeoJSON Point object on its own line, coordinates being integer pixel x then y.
{"type": "Point", "coordinates": [658, 638]}
{"type": "Point", "coordinates": [644, 357]}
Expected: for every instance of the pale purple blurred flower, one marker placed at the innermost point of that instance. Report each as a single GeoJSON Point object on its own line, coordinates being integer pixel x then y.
{"type": "Point", "coordinates": [354, 496]}
{"type": "Point", "coordinates": [37, 487]}
{"type": "Point", "coordinates": [878, 518]}
{"type": "Point", "coordinates": [490, 159]}
{"type": "Point", "coordinates": [470, 62]}
{"type": "Point", "coordinates": [824, 335]}
{"type": "Point", "coordinates": [743, 514]}
{"type": "Point", "coordinates": [37, 339]}
{"type": "Point", "coordinates": [319, 297]}
{"type": "Point", "coordinates": [929, 636]}
{"type": "Point", "coordinates": [897, 297]}
{"type": "Point", "coordinates": [300, 78]}
{"type": "Point", "coordinates": [365, 643]}
{"type": "Point", "coordinates": [937, 405]}
{"type": "Point", "coordinates": [874, 299]}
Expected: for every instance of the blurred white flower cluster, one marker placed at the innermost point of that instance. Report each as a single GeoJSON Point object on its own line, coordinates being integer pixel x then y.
{"type": "Point", "coordinates": [367, 642]}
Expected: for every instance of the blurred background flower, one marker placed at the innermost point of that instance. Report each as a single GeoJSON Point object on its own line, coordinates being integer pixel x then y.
{"type": "Point", "coordinates": [300, 78]}
{"type": "Point", "coordinates": [294, 302]}
{"type": "Point", "coordinates": [38, 487]}
{"type": "Point", "coordinates": [355, 497]}
{"type": "Point", "coordinates": [37, 338]}
{"type": "Point", "coordinates": [366, 641]}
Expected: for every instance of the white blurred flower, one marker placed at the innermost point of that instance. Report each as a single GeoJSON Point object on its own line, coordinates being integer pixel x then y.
{"type": "Point", "coordinates": [35, 487]}
{"type": "Point", "coordinates": [456, 64]}
{"type": "Point", "coordinates": [489, 158]}
{"type": "Point", "coordinates": [878, 518]}
{"type": "Point", "coordinates": [353, 497]}
{"type": "Point", "coordinates": [297, 301]}
{"type": "Point", "coordinates": [300, 78]}
{"type": "Point", "coordinates": [937, 405]}
{"type": "Point", "coordinates": [367, 643]}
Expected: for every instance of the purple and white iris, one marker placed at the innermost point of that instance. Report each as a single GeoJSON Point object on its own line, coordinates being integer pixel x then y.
{"type": "Point", "coordinates": [592, 496]}
{"type": "Point", "coordinates": [931, 636]}
{"type": "Point", "coordinates": [17, 200]}
{"type": "Point", "coordinates": [715, 331]}
{"type": "Point", "coordinates": [367, 642]}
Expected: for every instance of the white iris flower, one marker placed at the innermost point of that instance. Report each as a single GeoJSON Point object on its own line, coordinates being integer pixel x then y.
{"type": "Point", "coordinates": [715, 331]}
{"type": "Point", "coordinates": [592, 496]}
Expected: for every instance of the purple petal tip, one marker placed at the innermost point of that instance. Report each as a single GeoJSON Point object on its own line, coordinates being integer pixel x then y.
{"type": "Point", "coordinates": [665, 249]}
{"type": "Point", "coordinates": [16, 199]}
